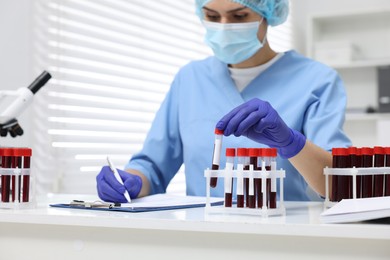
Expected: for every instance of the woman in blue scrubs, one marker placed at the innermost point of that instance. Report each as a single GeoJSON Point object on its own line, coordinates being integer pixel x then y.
{"type": "Point", "coordinates": [258, 97]}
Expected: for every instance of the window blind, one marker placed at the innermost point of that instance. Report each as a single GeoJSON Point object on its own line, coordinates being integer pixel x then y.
{"type": "Point", "coordinates": [112, 62]}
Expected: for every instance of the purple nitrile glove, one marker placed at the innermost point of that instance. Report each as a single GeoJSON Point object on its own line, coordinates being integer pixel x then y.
{"type": "Point", "coordinates": [259, 121]}
{"type": "Point", "coordinates": [109, 189]}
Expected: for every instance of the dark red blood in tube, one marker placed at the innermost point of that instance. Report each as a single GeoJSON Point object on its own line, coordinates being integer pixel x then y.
{"type": "Point", "coordinates": [216, 155]}
{"type": "Point", "coordinates": [379, 161]}
{"type": "Point", "coordinates": [253, 154]}
{"type": "Point", "coordinates": [16, 163]}
{"type": "Point", "coordinates": [272, 186]}
{"type": "Point", "coordinates": [27, 152]}
{"type": "Point", "coordinates": [387, 178]}
{"type": "Point", "coordinates": [356, 161]}
{"type": "Point", "coordinates": [241, 156]}
{"type": "Point", "coordinates": [230, 154]}
{"type": "Point", "coordinates": [340, 187]}
{"type": "Point", "coordinates": [258, 182]}
{"type": "Point", "coordinates": [6, 160]}
{"type": "Point", "coordinates": [367, 154]}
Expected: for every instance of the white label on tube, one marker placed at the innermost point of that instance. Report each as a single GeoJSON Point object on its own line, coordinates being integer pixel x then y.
{"type": "Point", "coordinates": [273, 184]}
{"type": "Point", "coordinates": [273, 165]}
{"type": "Point", "coordinates": [240, 180]}
{"type": "Point", "coordinates": [217, 151]}
{"type": "Point", "coordinates": [251, 181]}
{"type": "Point", "coordinates": [228, 177]}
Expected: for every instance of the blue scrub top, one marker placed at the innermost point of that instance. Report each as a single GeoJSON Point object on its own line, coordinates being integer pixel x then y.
{"type": "Point", "coordinates": [309, 97]}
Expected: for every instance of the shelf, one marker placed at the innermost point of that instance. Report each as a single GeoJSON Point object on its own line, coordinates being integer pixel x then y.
{"type": "Point", "coordinates": [366, 116]}
{"type": "Point", "coordinates": [365, 33]}
{"type": "Point", "coordinates": [361, 64]}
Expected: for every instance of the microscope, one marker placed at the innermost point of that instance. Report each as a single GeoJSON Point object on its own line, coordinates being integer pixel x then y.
{"type": "Point", "coordinates": [13, 103]}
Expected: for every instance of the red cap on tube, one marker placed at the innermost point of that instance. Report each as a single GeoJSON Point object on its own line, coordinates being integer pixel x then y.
{"type": "Point", "coordinates": [242, 152]}
{"type": "Point", "coordinates": [231, 152]}
{"type": "Point", "coordinates": [6, 151]}
{"type": "Point", "coordinates": [352, 150]}
{"type": "Point", "coordinates": [367, 151]}
{"type": "Point", "coordinates": [379, 150]}
{"type": "Point", "coordinates": [267, 152]}
{"type": "Point", "coordinates": [340, 151]}
{"type": "Point", "coordinates": [253, 152]}
{"type": "Point", "coordinates": [218, 132]}
{"type": "Point", "coordinates": [387, 150]}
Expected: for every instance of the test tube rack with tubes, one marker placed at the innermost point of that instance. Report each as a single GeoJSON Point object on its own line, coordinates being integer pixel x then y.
{"type": "Point", "coordinates": [357, 173]}
{"type": "Point", "coordinates": [255, 178]}
{"type": "Point", "coordinates": [16, 181]}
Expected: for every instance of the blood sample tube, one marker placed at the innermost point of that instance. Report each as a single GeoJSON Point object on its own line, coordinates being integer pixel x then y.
{"type": "Point", "coordinates": [246, 180]}
{"type": "Point", "coordinates": [339, 183]}
{"type": "Point", "coordinates": [379, 161]}
{"type": "Point", "coordinates": [335, 179]}
{"type": "Point", "coordinates": [258, 182]}
{"type": "Point", "coordinates": [387, 178]}
{"type": "Point", "coordinates": [267, 160]}
{"type": "Point", "coordinates": [252, 153]}
{"type": "Point", "coordinates": [17, 155]}
{"type": "Point", "coordinates": [241, 161]}
{"type": "Point", "coordinates": [367, 154]}
{"type": "Point", "coordinates": [216, 155]}
{"type": "Point", "coordinates": [272, 192]}
{"type": "Point", "coordinates": [27, 152]}
{"type": "Point", "coordinates": [6, 159]}
{"type": "Point", "coordinates": [345, 181]}
{"type": "Point", "coordinates": [355, 155]}
{"type": "Point", "coordinates": [230, 154]}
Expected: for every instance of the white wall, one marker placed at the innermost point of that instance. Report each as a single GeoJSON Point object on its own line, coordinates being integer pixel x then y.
{"type": "Point", "coordinates": [16, 57]}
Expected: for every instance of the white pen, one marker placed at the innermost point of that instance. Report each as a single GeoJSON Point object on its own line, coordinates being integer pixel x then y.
{"type": "Point", "coordinates": [118, 177]}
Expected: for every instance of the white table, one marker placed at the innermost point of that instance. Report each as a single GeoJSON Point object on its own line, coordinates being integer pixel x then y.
{"type": "Point", "coordinates": [54, 233]}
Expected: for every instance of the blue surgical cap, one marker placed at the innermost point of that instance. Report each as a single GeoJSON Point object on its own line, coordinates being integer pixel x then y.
{"type": "Point", "coordinates": [274, 11]}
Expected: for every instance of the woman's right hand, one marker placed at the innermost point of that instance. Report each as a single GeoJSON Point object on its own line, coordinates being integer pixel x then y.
{"type": "Point", "coordinates": [109, 189]}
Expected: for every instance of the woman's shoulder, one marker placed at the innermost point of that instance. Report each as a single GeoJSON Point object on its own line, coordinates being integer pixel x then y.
{"type": "Point", "coordinates": [204, 63]}
{"type": "Point", "coordinates": [297, 59]}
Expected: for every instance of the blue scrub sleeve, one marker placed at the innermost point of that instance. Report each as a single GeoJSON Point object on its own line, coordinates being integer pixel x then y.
{"type": "Point", "coordinates": [162, 153]}
{"type": "Point", "coordinates": [326, 114]}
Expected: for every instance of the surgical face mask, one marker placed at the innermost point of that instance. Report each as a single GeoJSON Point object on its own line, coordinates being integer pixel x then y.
{"type": "Point", "coordinates": [233, 43]}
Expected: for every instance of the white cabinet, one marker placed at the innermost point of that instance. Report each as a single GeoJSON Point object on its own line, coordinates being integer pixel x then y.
{"type": "Point", "coordinates": [356, 44]}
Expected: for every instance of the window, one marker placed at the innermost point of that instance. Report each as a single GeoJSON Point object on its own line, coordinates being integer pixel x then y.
{"type": "Point", "coordinates": [112, 62]}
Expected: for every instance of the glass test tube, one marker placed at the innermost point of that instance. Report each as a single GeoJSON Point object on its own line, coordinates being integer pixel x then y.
{"type": "Point", "coordinates": [241, 161]}
{"type": "Point", "coordinates": [6, 158]}
{"type": "Point", "coordinates": [16, 162]}
{"type": "Point", "coordinates": [367, 154]}
{"type": "Point", "coordinates": [340, 187]}
{"type": "Point", "coordinates": [355, 155]}
{"type": "Point", "coordinates": [379, 161]}
{"type": "Point", "coordinates": [258, 182]}
{"type": "Point", "coordinates": [228, 185]}
{"type": "Point", "coordinates": [387, 178]}
{"type": "Point", "coordinates": [216, 155]}
{"type": "Point", "coordinates": [252, 153]}
{"type": "Point", "coordinates": [27, 153]}
{"type": "Point", "coordinates": [335, 179]}
{"type": "Point", "coordinates": [246, 180]}
{"type": "Point", "coordinates": [273, 153]}
{"type": "Point", "coordinates": [344, 187]}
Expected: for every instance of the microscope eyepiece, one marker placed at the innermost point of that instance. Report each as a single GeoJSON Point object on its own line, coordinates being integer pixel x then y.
{"type": "Point", "coordinates": [39, 82]}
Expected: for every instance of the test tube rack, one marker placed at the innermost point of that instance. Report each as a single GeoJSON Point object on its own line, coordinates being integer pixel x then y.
{"type": "Point", "coordinates": [264, 175]}
{"type": "Point", "coordinates": [16, 176]}
{"type": "Point", "coordinates": [352, 172]}
{"type": "Point", "coordinates": [16, 182]}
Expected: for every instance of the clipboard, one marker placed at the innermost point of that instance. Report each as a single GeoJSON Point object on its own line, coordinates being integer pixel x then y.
{"type": "Point", "coordinates": [157, 202]}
